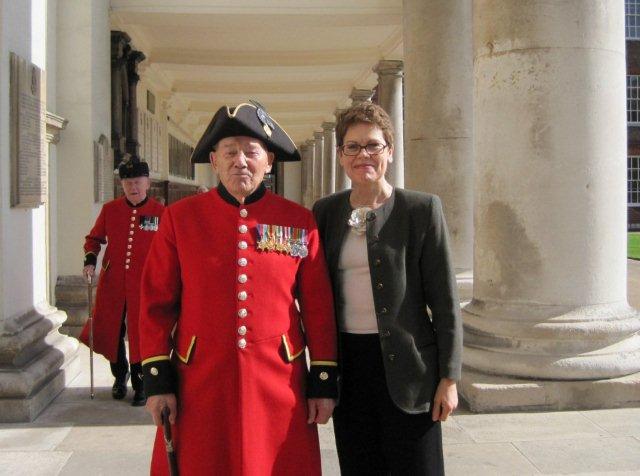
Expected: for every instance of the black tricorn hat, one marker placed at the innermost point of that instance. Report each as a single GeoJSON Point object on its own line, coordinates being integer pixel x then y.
{"type": "Point", "coordinates": [246, 119]}
{"type": "Point", "coordinates": [132, 167]}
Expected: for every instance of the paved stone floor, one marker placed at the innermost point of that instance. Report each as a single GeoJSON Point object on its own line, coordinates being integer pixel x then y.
{"type": "Point", "coordinates": [78, 436]}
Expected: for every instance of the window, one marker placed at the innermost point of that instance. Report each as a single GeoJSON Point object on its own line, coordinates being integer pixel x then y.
{"type": "Point", "coordinates": [633, 181]}
{"type": "Point", "coordinates": [180, 159]}
{"type": "Point", "coordinates": [632, 19]}
{"type": "Point", "coordinates": [633, 98]}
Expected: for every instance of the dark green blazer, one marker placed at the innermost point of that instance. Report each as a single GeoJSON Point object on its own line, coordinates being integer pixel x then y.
{"type": "Point", "coordinates": [414, 291]}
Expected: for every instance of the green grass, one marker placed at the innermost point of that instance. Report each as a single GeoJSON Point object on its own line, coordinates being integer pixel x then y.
{"type": "Point", "coordinates": [633, 245]}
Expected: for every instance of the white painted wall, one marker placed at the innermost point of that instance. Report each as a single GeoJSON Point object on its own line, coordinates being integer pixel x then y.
{"type": "Point", "coordinates": [52, 25]}
{"type": "Point", "coordinates": [83, 97]}
{"type": "Point", "coordinates": [21, 230]}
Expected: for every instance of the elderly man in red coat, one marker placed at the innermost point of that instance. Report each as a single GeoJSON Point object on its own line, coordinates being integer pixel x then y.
{"type": "Point", "coordinates": [126, 225]}
{"type": "Point", "coordinates": [234, 289]}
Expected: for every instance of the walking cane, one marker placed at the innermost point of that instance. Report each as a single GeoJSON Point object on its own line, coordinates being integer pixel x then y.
{"type": "Point", "coordinates": [168, 442]}
{"type": "Point", "coordinates": [90, 300]}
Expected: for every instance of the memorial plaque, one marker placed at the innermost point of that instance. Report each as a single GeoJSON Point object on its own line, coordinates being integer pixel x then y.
{"type": "Point", "coordinates": [103, 170]}
{"type": "Point", "coordinates": [29, 166]}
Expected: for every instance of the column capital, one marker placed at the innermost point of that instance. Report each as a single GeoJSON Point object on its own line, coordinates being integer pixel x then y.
{"type": "Point", "coordinates": [318, 135]}
{"type": "Point", "coordinates": [389, 68]}
{"type": "Point", "coordinates": [360, 95]}
{"type": "Point", "coordinates": [328, 126]}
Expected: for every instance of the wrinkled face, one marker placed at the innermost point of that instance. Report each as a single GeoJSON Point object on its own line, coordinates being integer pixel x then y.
{"type": "Point", "coordinates": [241, 163]}
{"type": "Point", "coordinates": [135, 189]}
{"type": "Point", "coordinates": [364, 167]}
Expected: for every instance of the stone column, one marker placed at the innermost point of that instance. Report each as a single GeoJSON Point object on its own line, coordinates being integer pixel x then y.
{"type": "Point", "coordinates": [329, 158]}
{"type": "Point", "coordinates": [343, 182]}
{"type": "Point", "coordinates": [360, 95]}
{"type": "Point", "coordinates": [318, 166]}
{"type": "Point", "coordinates": [549, 326]}
{"type": "Point", "coordinates": [438, 80]}
{"type": "Point", "coordinates": [390, 99]}
{"type": "Point", "coordinates": [311, 182]}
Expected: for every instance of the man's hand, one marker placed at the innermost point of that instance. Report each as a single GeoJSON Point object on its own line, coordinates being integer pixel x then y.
{"type": "Point", "coordinates": [156, 403]}
{"type": "Point", "coordinates": [445, 401]}
{"type": "Point", "coordinates": [320, 410]}
{"type": "Point", "coordinates": [89, 271]}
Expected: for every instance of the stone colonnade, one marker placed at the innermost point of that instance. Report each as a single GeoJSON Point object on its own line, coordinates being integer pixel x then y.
{"type": "Point", "coordinates": [328, 177]}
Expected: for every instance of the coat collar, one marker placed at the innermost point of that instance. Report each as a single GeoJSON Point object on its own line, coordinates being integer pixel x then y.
{"type": "Point", "coordinates": [141, 204]}
{"type": "Point", "coordinates": [230, 199]}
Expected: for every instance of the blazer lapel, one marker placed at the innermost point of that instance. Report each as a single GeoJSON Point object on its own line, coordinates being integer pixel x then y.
{"type": "Point", "coordinates": [338, 232]}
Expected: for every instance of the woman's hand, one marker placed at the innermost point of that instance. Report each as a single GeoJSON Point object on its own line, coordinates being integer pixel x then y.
{"type": "Point", "coordinates": [320, 410]}
{"type": "Point", "coordinates": [445, 401]}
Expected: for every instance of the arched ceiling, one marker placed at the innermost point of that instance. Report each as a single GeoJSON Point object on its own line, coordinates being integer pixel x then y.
{"type": "Point", "coordinates": [299, 58]}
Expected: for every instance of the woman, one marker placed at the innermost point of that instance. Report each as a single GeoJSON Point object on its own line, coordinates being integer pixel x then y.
{"type": "Point", "coordinates": [397, 308]}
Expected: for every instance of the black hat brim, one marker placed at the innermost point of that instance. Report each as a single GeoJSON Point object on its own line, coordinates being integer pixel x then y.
{"type": "Point", "coordinates": [245, 120]}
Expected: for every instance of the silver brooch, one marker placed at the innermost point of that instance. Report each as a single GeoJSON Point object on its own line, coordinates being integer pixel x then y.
{"type": "Point", "coordinates": [358, 219]}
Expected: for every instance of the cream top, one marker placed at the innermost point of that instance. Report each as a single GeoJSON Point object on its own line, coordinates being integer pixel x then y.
{"type": "Point", "coordinates": [357, 313]}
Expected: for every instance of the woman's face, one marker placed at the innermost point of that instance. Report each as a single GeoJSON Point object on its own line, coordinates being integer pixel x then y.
{"type": "Point", "coordinates": [364, 167]}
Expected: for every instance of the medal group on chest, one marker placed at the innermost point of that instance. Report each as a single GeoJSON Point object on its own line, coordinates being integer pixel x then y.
{"type": "Point", "coordinates": [284, 239]}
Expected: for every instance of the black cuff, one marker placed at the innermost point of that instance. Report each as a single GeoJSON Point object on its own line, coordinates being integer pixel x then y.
{"type": "Point", "coordinates": [159, 377]}
{"type": "Point", "coordinates": [90, 259]}
{"type": "Point", "coordinates": [322, 382]}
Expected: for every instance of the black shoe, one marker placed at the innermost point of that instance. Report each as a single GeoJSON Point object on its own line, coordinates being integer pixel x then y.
{"type": "Point", "coordinates": [119, 389]}
{"type": "Point", "coordinates": [139, 399]}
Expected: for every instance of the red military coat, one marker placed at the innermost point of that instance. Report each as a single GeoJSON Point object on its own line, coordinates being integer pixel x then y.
{"type": "Point", "coordinates": [238, 346]}
{"type": "Point", "coordinates": [127, 230]}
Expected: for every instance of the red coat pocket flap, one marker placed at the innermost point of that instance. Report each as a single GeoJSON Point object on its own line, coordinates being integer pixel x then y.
{"type": "Point", "coordinates": [184, 349]}
{"type": "Point", "coordinates": [293, 344]}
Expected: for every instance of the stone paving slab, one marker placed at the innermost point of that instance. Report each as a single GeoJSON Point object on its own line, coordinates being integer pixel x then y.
{"type": "Point", "coordinates": [619, 422]}
{"type": "Point", "coordinates": [583, 455]}
{"type": "Point", "coordinates": [24, 437]}
{"type": "Point", "coordinates": [486, 459]}
{"type": "Point", "coordinates": [107, 463]}
{"type": "Point", "coordinates": [504, 427]}
{"type": "Point", "coordinates": [33, 463]}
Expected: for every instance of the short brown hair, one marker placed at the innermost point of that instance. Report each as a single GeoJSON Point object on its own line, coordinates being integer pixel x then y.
{"type": "Point", "coordinates": [364, 112]}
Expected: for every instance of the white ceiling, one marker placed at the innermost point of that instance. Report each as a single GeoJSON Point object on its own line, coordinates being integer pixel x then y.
{"type": "Point", "coordinates": [299, 58]}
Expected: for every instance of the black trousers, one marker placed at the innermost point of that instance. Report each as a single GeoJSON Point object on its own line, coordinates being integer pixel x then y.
{"type": "Point", "coordinates": [120, 368]}
{"type": "Point", "coordinates": [373, 436]}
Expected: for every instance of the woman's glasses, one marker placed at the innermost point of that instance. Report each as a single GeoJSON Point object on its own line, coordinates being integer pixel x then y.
{"type": "Point", "coordinates": [353, 148]}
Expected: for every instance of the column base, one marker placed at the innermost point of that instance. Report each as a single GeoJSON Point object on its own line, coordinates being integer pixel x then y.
{"type": "Point", "coordinates": [36, 363]}
{"type": "Point", "coordinates": [72, 297]}
{"type": "Point", "coordinates": [464, 278]}
{"type": "Point", "coordinates": [491, 393]}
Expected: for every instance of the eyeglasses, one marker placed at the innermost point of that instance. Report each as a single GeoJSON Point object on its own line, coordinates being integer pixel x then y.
{"type": "Point", "coordinates": [372, 148]}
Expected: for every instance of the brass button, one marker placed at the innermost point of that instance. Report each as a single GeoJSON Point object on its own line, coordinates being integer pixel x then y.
{"type": "Point", "coordinates": [135, 211]}
{"type": "Point", "coordinates": [242, 262]}
{"type": "Point", "coordinates": [242, 278]}
{"type": "Point", "coordinates": [242, 295]}
{"type": "Point", "coordinates": [392, 357]}
{"type": "Point", "coordinates": [153, 371]}
{"type": "Point", "coordinates": [242, 245]}
{"type": "Point", "coordinates": [242, 343]}
{"type": "Point", "coordinates": [242, 330]}
{"type": "Point", "coordinates": [126, 266]}
{"type": "Point", "coordinates": [384, 310]}
{"type": "Point", "coordinates": [377, 262]}
{"type": "Point", "coordinates": [324, 376]}
{"type": "Point", "coordinates": [132, 226]}
{"type": "Point", "coordinates": [379, 286]}
{"type": "Point", "coordinates": [133, 218]}
{"type": "Point", "coordinates": [131, 232]}
{"type": "Point", "coordinates": [128, 253]}
{"type": "Point", "coordinates": [386, 334]}
{"type": "Point", "coordinates": [130, 239]}
{"type": "Point", "coordinates": [242, 313]}
{"type": "Point", "coordinates": [244, 213]}
{"type": "Point", "coordinates": [128, 260]}
{"type": "Point", "coordinates": [242, 228]}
